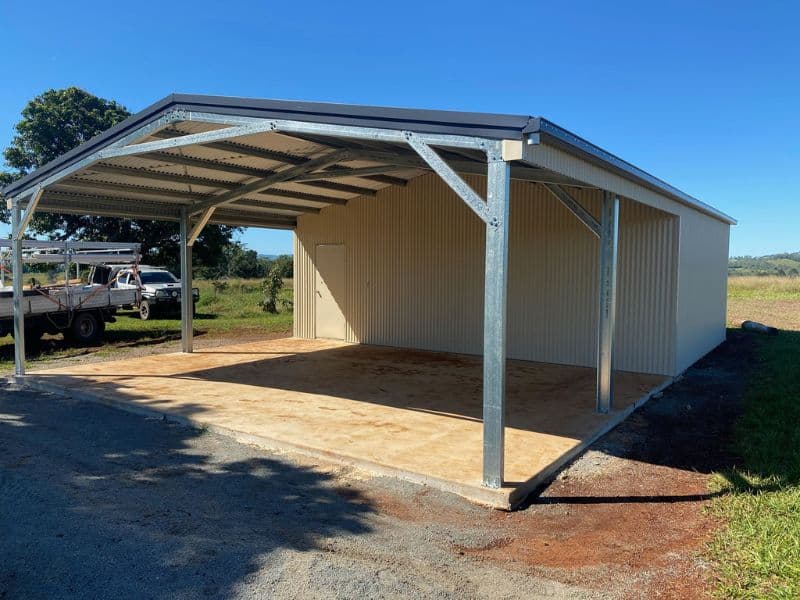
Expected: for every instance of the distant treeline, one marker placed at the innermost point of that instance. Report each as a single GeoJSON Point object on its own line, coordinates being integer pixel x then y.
{"type": "Point", "coordinates": [237, 261]}
{"type": "Point", "coordinates": [786, 264]}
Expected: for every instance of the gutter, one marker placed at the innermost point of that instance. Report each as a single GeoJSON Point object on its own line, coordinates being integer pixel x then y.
{"type": "Point", "coordinates": [542, 131]}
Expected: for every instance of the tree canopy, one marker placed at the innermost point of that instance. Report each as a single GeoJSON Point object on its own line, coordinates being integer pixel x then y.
{"type": "Point", "coordinates": [57, 121]}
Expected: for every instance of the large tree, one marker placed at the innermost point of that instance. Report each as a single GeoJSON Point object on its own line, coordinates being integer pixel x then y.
{"type": "Point", "coordinates": [57, 121]}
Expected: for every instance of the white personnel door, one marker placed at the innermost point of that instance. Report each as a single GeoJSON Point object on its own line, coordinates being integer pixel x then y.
{"type": "Point", "coordinates": [329, 291]}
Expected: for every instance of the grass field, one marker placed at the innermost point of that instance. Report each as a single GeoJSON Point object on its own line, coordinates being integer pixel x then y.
{"type": "Point", "coordinates": [229, 314]}
{"type": "Point", "coordinates": [771, 300]}
{"type": "Point", "coordinates": [757, 551]}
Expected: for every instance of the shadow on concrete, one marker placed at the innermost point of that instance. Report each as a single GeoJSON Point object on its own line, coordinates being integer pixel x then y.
{"type": "Point", "coordinates": [99, 503]}
{"type": "Point", "coordinates": [690, 428]}
{"type": "Point", "coordinates": [546, 398]}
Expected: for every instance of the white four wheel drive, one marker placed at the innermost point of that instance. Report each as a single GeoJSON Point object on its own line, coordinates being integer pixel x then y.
{"type": "Point", "coordinates": [160, 289]}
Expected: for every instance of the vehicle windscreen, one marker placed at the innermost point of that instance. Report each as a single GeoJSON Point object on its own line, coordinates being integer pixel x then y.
{"type": "Point", "coordinates": [149, 277]}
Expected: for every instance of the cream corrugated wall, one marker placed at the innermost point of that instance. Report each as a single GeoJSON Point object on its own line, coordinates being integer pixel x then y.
{"type": "Point", "coordinates": [703, 252]}
{"type": "Point", "coordinates": [702, 287]}
{"type": "Point", "coordinates": [415, 275]}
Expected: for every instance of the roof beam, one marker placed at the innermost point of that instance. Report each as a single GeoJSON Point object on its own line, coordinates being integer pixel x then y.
{"type": "Point", "coordinates": [228, 217]}
{"type": "Point", "coordinates": [234, 126]}
{"type": "Point", "coordinates": [236, 148]}
{"type": "Point", "coordinates": [87, 204]}
{"type": "Point", "coordinates": [266, 205]}
{"type": "Point", "coordinates": [202, 163]}
{"type": "Point", "coordinates": [154, 194]}
{"type": "Point", "coordinates": [349, 172]}
{"type": "Point", "coordinates": [258, 126]}
{"type": "Point", "coordinates": [390, 160]}
{"type": "Point", "coordinates": [93, 205]}
{"type": "Point", "coordinates": [575, 207]}
{"type": "Point", "coordinates": [28, 214]}
{"type": "Point", "coordinates": [267, 182]}
{"type": "Point", "coordinates": [388, 179]}
{"type": "Point", "coordinates": [378, 134]}
{"type": "Point", "coordinates": [80, 184]}
{"type": "Point", "coordinates": [458, 160]}
{"type": "Point", "coordinates": [339, 187]}
{"type": "Point", "coordinates": [304, 196]}
{"type": "Point", "coordinates": [198, 227]}
{"type": "Point", "coordinates": [277, 156]}
{"type": "Point", "coordinates": [171, 177]}
{"type": "Point", "coordinates": [450, 177]}
{"type": "Point", "coordinates": [466, 167]}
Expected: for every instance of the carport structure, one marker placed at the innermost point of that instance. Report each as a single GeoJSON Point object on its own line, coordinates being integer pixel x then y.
{"type": "Point", "coordinates": [265, 163]}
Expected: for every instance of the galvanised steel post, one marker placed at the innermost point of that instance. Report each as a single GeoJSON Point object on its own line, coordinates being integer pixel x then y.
{"type": "Point", "coordinates": [609, 241]}
{"type": "Point", "coordinates": [187, 331]}
{"type": "Point", "coordinates": [19, 315]}
{"type": "Point", "coordinates": [494, 320]}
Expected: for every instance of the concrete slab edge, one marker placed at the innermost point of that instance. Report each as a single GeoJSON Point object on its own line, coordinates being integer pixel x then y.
{"type": "Point", "coordinates": [497, 499]}
{"type": "Point", "coordinates": [501, 499]}
{"type": "Point", "coordinates": [525, 489]}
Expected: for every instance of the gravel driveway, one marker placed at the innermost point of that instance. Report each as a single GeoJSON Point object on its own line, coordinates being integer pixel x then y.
{"type": "Point", "coordinates": [99, 503]}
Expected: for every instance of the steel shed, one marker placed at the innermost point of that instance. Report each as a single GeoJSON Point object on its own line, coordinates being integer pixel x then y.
{"type": "Point", "coordinates": [495, 235]}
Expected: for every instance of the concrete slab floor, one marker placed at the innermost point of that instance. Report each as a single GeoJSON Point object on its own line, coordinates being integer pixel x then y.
{"type": "Point", "coordinates": [409, 413]}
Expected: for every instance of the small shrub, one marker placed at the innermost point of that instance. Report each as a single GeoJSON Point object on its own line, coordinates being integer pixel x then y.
{"type": "Point", "coordinates": [271, 287]}
{"type": "Point", "coordinates": [220, 285]}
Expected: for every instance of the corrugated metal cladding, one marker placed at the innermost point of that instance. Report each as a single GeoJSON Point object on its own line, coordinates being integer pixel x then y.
{"type": "Point", "coordinates": [703, 250]}
{"type": "Point", "coordinates": [702, 287]}
{"type": "Point", "coordinates": [415, 263]}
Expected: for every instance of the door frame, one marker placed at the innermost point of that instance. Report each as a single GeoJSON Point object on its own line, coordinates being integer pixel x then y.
{"type": "Point", "coordinates": [344, 283]}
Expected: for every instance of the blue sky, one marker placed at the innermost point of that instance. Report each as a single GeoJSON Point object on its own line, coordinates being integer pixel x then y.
{"type": "Point", "coordinates": [702, 94]}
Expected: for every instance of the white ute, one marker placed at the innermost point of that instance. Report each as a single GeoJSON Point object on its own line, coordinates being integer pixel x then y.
{"type": "Point", "coordinates": [160, 289]}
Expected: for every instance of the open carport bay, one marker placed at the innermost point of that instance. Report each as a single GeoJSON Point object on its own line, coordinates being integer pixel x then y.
{"type": "Point", "coordinates": [405, 412]}
{"type": "Point", "coordinates": [489, 235]}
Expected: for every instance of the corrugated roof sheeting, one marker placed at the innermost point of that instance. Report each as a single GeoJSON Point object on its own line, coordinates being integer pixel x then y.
{"type": "Point", "coordinates": [180, 176]}
{"type": "Point", "coordinates": [196, 173]}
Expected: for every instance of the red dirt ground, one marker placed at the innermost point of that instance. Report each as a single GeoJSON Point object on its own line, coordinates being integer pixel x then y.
{"type": "Point", "coordinates": [650, 544]}
{"type": "Point", "coordinates": [628, 518]}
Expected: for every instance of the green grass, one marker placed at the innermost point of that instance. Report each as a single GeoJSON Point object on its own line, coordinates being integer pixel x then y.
{"type": "Point", "coordinates": [757, 551]}
{"type": "Point", "coordinates": [764, 288]}
{"type": "Point", "coordinates": [227, 314]}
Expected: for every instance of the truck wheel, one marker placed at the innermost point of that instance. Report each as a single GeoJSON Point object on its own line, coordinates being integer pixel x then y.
{"type": "Point", "coordinates": [85, 328]}
{"type": "Point", "coordinates": [144, 310]}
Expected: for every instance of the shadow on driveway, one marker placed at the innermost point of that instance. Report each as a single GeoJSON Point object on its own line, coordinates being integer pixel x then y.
{"type": "Point", "coordinates": [98, 503]}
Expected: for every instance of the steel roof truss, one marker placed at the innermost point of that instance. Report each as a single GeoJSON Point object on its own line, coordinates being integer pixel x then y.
{"type": "Point", "coordinates": [256, 126]}
{"type": "Point", "coordinates": [198, 226]}
{"type": "Point", "coordinates": [349, 172]}
{"type": "Point", "coordinates": [449, 176]}
{"type": "Point", "coordinates": [241, 170]}
{"type": "Point", "coordinates": [278, 156]}
{"type": "Point", "coordinates": [279, 177]}
{"type": "Point", "coordinates": [575, 207]}
{"type": "Point", "coordinates": [341, 131]}
{"type": "Point", "coordinates": [28, 214]}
